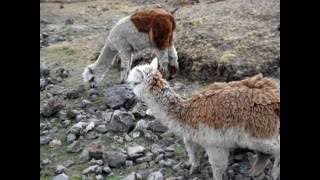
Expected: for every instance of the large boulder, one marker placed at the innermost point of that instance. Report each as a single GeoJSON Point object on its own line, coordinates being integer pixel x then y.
{"type": "Point", "coordinates": [121, 122]}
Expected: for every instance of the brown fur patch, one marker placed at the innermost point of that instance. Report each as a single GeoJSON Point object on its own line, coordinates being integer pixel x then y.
{"type": "Point", "coordinates": [158, 23]}
{"type": "Point", "coordinates": [158, 83]}
{"type": "Point", "coordinates": [252, 104]}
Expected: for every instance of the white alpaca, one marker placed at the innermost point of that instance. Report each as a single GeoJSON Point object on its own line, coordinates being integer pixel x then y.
{"type": "Point", "coordinates": [144, 29]}
{"type": "Point", "coordinates": [239, 114]}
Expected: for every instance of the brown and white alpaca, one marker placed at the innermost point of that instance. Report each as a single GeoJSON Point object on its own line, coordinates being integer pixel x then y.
{"type": "Point", "coordinates": [221, 117]}
{"type": "Point", "coordinates": [153, 28]}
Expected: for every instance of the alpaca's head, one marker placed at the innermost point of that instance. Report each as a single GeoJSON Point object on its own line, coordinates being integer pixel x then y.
{"type": "Point", "coordinates": [139, 75]}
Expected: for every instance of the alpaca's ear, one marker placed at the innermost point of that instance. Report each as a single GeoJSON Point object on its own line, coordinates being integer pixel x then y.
{"type": "Point", "coordinates": [154, 64]}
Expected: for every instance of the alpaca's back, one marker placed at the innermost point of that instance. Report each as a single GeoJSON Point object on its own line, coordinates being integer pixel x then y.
{"type": "Point", "coordinates": [252, 104]}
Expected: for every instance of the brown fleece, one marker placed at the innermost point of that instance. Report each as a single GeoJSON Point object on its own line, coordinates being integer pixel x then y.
{"type": "Point", "coordinates": [253, 104]}
{"type": "Point", "coordinates": [158, 23]}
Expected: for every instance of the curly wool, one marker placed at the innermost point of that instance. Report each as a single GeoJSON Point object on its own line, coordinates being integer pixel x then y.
{"type": "Point", "coordinates": [252, 104]}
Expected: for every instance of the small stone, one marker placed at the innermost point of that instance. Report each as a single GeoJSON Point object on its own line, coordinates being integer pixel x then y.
{"type": "Point", "coordinates": [121, 122]}
{"type": "Point", "coordinates": [65, 123]}
{"type": "Point", "coordinates": [69, 21]}
{"type": "Point", "coordinates": [68, 163]}
{"type": "Point", "coordinates": [135, 149]}
{"type": "Point", "coordinates": [52, 107]}
{"type": "Point", "coordinates": [127, 138]}
{"type": "Point", "coordinates": [73, 94]}
{"type": "Point", "coordinates": [156, 176]}
{"type": "Point", "coordinates": [99, 177]}
{"type": "Point", "coordinates": [157, 126]}
{"type": "Point", "coordinates": [133, 176]}
{"type": "Point", "coordinates": [60, 169]}
{"type": "Point", "coordinates": [141, 125]}
{"type": "Point", "coordinates": [161, 163]}
{"type": "Point", "coordinates": [101, 128]}
{"type": "Point", "coordinates": [91, 135]}
{"type": "Point", "coordinates": [90, 169]}
{"type": "Point", "coordinates": [169, 154]}
{"type": "Point", "coordinates": [74, 147]}
{"type": "Point", "coordinates": [71, 137]}
{"type": "Point", "coordinates": [45, 139]}
{"type": "Point", "coordinates": [129, 163]}
{"type": "Point", "coordinates": [55, 143]}
{"type": "Point", "coordinates": [170, 162]}
{"type": "Point", "coordinates": [156, 149]}
{"type": "Point", "coordinates": [159, 158]}
{"type": "Point", "coordinates": [61, 177]}
{"type": "Point", "coordinates": [106, 169]}
{"type": "Point", "coordinates": [238, 157]}
{"type": "Point", "coordinates": [114, 158]}
{"type": "Point", "coordinates": [45, 162]}
{"type": "Point", "coordinates": [96, 150]}
{"type": "Point", "coordinates": [143, 159]}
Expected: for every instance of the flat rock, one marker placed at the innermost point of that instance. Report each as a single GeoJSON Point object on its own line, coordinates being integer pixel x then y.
{"type": "Point", "coordinates": [157, 126]}
{"type": "Point", "coordinates": [114, 158]}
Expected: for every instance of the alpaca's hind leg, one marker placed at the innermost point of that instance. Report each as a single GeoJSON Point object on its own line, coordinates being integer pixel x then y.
{"type": "Point", "coordinates": [126, 61]}
{"type": "Point", "coordinates": [173, 61]}
{"type": "Point", "coordinates": [218, 158]}
{"type": "Point", "coordinates": [260, 163]}
{"type": "Point", "coordinates": [193, 154]}
{"type": "Point", "coordinates": [94, 73]}
{"type": "Point", "coordinates": [276, 167]}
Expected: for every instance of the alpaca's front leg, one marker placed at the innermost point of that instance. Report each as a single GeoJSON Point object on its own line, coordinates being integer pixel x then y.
{"type": "Point", "coordinates": [126, 60]}
{"type": "Point", "coordinates": [276, 168]}
{"type": "Point", "coordinates": [173, 61]}
{"type": "Point", "coordinates": [193, 154]}
{"type": "Point", "coordinates": [218, 158]}
{"type": "Point", "coordinates": [163, 60]}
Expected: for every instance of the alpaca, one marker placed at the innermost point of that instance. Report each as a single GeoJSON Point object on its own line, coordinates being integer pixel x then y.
{"type": "Point", "coordinates": [144, 29]}
{"type": "Point", "coordinates": [221, 117]}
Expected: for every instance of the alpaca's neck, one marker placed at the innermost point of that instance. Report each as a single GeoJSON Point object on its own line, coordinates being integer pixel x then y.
{"type": "Point", "coordinates": [162, 96]}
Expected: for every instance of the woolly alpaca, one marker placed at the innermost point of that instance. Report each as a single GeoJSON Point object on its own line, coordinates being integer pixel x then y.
{"type": "Point", "coordinates": [223, 116]}
{"type": "Point", "coordinates": [153, 29]}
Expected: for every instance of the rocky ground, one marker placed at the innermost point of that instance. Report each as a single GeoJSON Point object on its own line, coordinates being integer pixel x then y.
{"type": "Point", "coordinates": [106, 133]}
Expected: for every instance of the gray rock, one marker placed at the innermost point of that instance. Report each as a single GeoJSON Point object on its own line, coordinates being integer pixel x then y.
{"type": "Point", "coordinates": [139, 110]}
{"type": "Point", "coordinates": [73, 94]}
{"type": "Point", "coordinates": [170, 162]}
{"type": "Point", "coordinates": [61, 177]}
{"type": "Point", "coordinates": [45, 162]}
{"type": "Point", "coordinates": [143, 159]}
{"type": "Point", "coordinates": [106, 169]}
{"type": "Point", "coordinates": [96, 150]}
{"type": "Point", "coordinates": [156, 126]}
{"type": "Point", "coordinates": [133, 176]}
{"type": "Point", "coordinates": [55, 143]}
{"type": "Point", "coordinates": [84, 156]}
{"type": "Point", "coordinates": [77, 128]}
{"type": "Point", "coordinates": [52, 107]}
{"type": "Point", "coordinates": [71, 137]}
{"type": "Point", "coordinates": [60, 169]}
{"type": "Point", "coordinates": [156, 149]}
{"type": "Point", "coordinates": [156, 176]}
{"type": "Point", "coordinates": [68, 163]}
{"type": "Point", "coordinates": [99, 177]}
{"type": "Point", "coordinates": [69, 21]}
{"type": "Point", "coordinates": [72, 114]}
{"type": "Point", "coordinates": [114, 158]}
{"type": "Point", "coordinates": [62, 73]}
{"type": "Point", "coordinates": [45, 139]}
{"type": "Point", "coordinates": [159, 158]}
{"type": "Point", "coordinates": [90, 169]}
{"type": "Point", "coordinates": [121, 122]}
{"type": "Point", "coordinates": [118, 96]}
{"type": "Point", "coordinates": [43, 84]}
{"type": "Point", "coordinates": [141, 125]}
{"type": "Point", "coordinates": [74, 147]}
{"type": "Point", "coordinates": [44, 71]}
{"type": "Point", "coordinates": [129, 163]}
{"type": "Point", "coordinates": [135, 149]}
{"type": "Point", "coordinates": [101, 128]}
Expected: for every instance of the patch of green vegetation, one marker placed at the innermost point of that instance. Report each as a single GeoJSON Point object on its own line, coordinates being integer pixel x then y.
{"type": "Point", "coordinates": [180, 151]}
{"type": "Point", "coordinates": [227, 57]}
